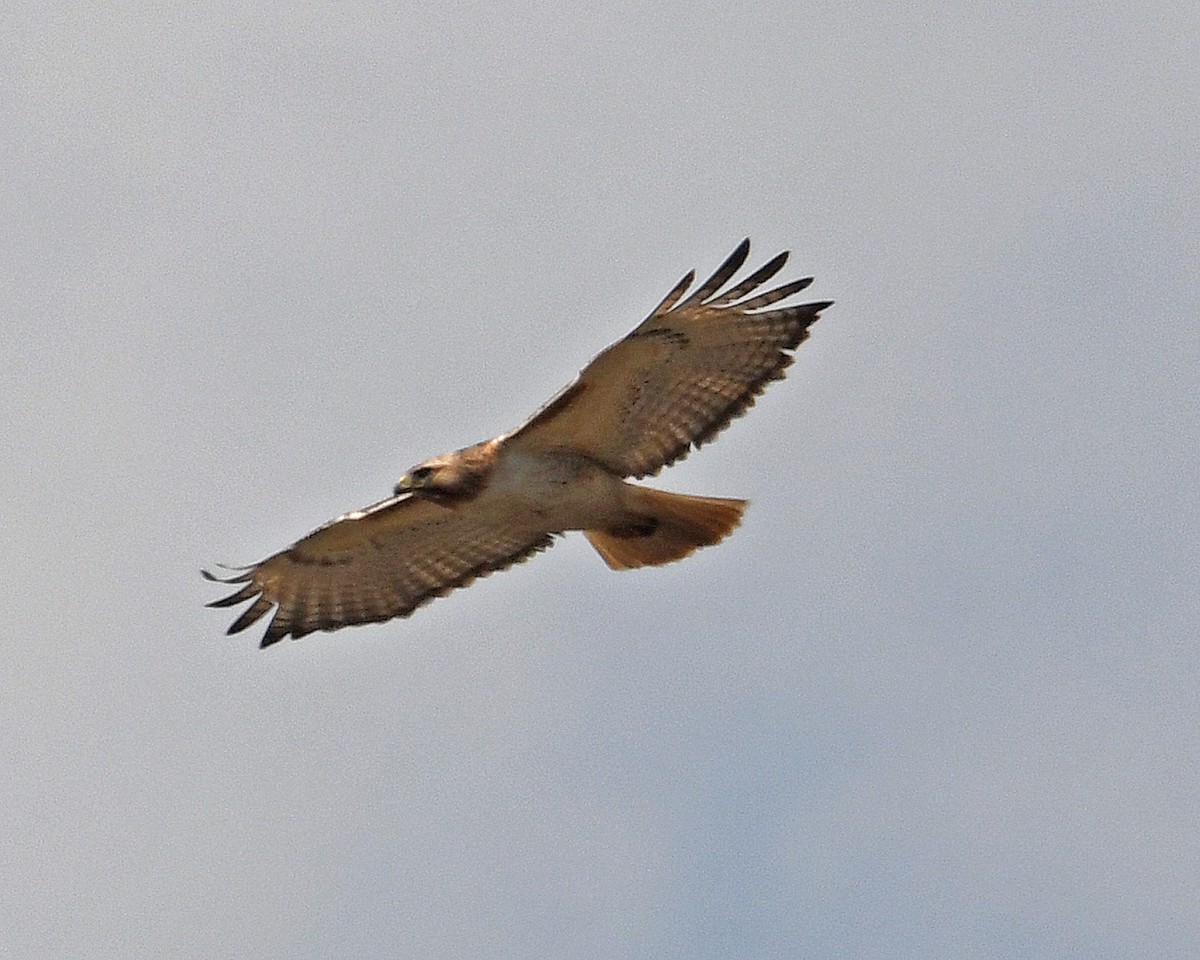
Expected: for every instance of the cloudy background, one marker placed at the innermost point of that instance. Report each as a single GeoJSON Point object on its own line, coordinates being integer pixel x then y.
{"type": "Point", "coordinates": [939, 697]}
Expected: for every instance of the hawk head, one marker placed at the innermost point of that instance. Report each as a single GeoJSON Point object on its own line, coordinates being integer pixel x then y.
{"type": "Point", "coordinates": [453, 477]}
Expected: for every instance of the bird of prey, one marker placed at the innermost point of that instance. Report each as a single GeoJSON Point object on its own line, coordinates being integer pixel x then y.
{"type": "Point", "coordinates": [677, 380]}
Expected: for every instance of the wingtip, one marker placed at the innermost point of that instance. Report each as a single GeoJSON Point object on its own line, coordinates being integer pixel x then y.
{"type": "Point", "coordinates": [213, 578]}
{"type": "Point", "coordinates": [738, 258]}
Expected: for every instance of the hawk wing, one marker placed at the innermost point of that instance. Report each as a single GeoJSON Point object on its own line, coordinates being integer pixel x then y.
{"type": "Point", "coordinates": [681, 376]}
{"type": "Point", "coordinates": [375, 564]}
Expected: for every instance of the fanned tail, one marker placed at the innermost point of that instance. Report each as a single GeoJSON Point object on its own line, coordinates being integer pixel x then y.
{"type": "Point", "coordinates": [674, 525]}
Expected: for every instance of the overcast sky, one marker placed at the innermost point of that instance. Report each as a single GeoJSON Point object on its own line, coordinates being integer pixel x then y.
{"type": "Point", "coordinates": [938, 697]}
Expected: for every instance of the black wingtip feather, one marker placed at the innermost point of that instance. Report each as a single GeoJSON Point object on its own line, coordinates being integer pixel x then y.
{"type": "Point", "coordinates": [750, 283]}
{"type": "Point", "coordinates": [242, 577]}
{"type": "Point", "coordinates": [256, 611]}
{"type": "Point", "coordinates": [733, 263]}
{"type": "Point", "coordinates": [675, 295]}
{"type": "Point", "coordinates": [246, 593]}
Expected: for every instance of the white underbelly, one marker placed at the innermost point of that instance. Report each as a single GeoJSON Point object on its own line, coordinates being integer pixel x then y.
{"type": "Point", "coordinates": [557, 492]}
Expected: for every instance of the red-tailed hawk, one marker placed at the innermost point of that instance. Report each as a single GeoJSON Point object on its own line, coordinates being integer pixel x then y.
{"type": "Point", "coordinates": [672, 384]}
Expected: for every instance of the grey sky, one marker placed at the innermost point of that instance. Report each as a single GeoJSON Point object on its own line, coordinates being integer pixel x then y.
{"type": "Point", "coordinates": [937, 698]}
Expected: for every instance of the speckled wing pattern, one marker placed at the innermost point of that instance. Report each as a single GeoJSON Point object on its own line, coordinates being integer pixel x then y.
{"type": "Point", "coordinates": [375, 564]}
{"type": "Point", "coordinates": [682, 375]}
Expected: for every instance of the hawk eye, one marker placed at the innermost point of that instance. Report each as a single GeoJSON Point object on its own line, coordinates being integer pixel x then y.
{"type": "Point", "coordinates": [421, 473]}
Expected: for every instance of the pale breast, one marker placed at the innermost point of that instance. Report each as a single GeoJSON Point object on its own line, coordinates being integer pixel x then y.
{"type": "Point", "coordinates": [558, 491]}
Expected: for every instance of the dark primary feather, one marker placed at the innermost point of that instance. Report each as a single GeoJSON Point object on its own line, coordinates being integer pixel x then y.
{"type": "Point", "coordinates": [756, 279]}
{"type": "Point", "coordinates": [733, 263]}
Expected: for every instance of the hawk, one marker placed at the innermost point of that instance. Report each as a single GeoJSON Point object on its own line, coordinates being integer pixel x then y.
{"type": "Point", "coordinates": [674, 383]}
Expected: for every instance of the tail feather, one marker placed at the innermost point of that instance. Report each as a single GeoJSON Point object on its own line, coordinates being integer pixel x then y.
{"type": "Point", "coordinates": [670, 526]}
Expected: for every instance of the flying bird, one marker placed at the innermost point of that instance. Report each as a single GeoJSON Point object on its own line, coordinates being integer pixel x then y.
{"type": "Point", "coordinates": [674, 383]}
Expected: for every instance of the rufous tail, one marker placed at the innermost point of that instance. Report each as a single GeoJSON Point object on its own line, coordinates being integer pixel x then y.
{"type": "Point", "coordinates": [670, 526]}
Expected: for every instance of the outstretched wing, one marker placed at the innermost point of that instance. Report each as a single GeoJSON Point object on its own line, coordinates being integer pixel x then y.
{"type": "Point", "coordinates": [375, 564]}
{"type": "Point", "coordinates": [681, 376]}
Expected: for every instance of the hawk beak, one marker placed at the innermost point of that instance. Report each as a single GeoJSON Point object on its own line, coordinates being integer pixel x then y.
{"type": "Point", "coordinates": [403, 485]}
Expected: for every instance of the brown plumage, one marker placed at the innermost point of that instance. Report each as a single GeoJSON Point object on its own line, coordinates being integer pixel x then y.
{"type": "Point", "coordinates": [672, 384]}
